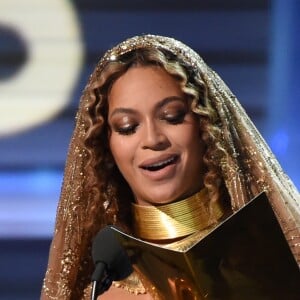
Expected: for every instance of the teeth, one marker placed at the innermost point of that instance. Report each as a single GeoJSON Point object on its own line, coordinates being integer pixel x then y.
{"type": "Point", "coordinates": [163, 162]}
{"type": "Point", "coordinates": [160, 165]}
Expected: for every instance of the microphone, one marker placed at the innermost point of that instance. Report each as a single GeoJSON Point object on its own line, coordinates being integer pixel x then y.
{"type": "Point", "coordinates": [111, 261]}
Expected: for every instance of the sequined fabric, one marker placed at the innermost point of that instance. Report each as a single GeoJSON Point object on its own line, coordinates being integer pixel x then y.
{"type": "Point", "coordinates": [249, 169]}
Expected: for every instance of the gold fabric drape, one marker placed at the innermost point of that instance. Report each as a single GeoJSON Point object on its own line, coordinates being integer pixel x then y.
{"type": "Point", "coordinates": [249, 169]}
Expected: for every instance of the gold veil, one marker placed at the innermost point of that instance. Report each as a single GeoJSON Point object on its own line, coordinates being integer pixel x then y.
{"type": "Point", "coordinates": [249, 169]}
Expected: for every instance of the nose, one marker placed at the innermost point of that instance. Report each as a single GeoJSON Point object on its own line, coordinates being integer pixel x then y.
{"type": "Point", "coordinates": [153, 137]}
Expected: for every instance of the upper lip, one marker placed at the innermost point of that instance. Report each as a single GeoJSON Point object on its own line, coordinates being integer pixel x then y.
{"type": "Point", "coordinates": [157, 160]}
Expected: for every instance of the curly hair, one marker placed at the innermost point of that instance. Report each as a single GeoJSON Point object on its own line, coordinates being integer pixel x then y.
{"type": "Point", "coordinates": [112, 193]}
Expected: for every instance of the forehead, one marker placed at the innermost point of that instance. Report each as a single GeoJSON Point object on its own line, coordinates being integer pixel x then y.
{"type": "Point", "coordinates": [143, 83]}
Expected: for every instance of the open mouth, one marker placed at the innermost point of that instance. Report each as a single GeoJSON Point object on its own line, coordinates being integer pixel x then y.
{"type": "Point", "coordinates": [161, 164]}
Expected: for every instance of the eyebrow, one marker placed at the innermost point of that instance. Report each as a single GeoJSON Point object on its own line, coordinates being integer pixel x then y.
{"type": "Point", "coordinates": [168, 100]}
{"type": "Point", "coordinates": [159, 105]}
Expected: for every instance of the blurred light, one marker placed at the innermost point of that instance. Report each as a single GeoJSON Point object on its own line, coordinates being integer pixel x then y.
{"type": "Point", "coordinates": [42, 88]}
{"type": "Point", "coordinates": [28, 203]}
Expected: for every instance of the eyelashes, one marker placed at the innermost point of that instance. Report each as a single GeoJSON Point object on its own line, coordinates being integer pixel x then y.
{"type": "Point", "coordinates": [126, 130]}
{"type": "Point", "coordinates": [172, 119]}
{"type": "Point", "coordinates": [175, 119]}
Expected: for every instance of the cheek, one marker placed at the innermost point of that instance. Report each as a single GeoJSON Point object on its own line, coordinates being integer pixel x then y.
{"type": "Point", "coordinates": [122, 152]}
{"type": "Point", "coordinates": [189, 137]}
{"type": "Point", "coordinates": [192, 145]}
{"type": "Point", "coordinates": [115, 146]}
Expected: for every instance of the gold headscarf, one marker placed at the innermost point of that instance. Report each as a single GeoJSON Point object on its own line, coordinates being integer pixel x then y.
{"type": "Point", "coordinates": [249, 168]}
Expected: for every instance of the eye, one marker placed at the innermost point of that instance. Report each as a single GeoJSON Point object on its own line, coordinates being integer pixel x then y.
{"type": "Point", "coordinates": [174, 118]}
{"type": "Point", "coordinates": [124, 124]}
{"type": "Point", "coordinates": [126, 130]}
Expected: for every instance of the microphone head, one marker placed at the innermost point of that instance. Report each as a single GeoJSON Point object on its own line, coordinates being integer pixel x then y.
{"type": "Point", "coordinates": [107, 250]}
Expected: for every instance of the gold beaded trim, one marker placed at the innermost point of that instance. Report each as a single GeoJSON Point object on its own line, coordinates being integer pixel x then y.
{"type": "Point", "coordinates": [132, 284]}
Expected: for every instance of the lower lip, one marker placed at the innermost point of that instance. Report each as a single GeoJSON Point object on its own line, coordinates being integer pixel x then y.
{"type": "Point", "coordinates": [164, 173]}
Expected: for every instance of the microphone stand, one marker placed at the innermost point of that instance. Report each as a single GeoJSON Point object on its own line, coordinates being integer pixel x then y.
{"type": "Point", "coordinates": [99, 287]}
{"type": "Point", "coordinates": [94, 290]}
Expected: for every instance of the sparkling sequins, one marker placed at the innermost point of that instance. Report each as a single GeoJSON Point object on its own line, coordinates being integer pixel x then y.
{"type": "Point", "coordinates": [249, 168]}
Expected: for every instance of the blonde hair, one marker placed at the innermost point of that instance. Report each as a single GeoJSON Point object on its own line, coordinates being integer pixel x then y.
{"type": "Point", "coordinates": [111, 193]}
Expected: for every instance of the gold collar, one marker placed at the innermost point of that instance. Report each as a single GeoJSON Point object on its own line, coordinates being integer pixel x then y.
{"type": "Point", "coordinates": [176, 219]}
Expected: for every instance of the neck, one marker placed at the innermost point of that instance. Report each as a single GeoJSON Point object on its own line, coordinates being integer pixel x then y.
{"type": "Point", "coordinates": [176, 220]}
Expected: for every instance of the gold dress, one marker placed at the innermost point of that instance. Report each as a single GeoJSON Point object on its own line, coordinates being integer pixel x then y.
{"type": "Point", "coordinates": [249, 169]}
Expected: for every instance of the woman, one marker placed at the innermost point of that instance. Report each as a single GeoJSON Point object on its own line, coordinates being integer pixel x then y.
{"type": "Point", "coordinates": [156, 126]}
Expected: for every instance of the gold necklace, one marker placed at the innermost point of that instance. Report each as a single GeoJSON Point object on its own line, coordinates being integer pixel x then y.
{"type": "Point", "coordinates": [176, 219]}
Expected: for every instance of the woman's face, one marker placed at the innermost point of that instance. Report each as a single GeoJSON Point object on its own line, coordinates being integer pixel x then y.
{"type": "Point", "coordinates": [155, 138]}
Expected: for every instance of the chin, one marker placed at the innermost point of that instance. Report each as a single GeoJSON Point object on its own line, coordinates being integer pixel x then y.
{"type": "Point", "coordinates": [161, 197]}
